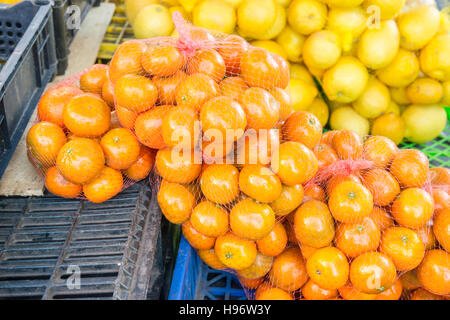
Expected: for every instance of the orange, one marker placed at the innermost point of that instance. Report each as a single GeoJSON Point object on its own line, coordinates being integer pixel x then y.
{"type": "Point", "coordinates": [209, 257]}
{"type": "Point", "coordinates": [104, 186]}
{"type": "Point", "coordinates": [413, 208]}
{"type": "Point", "coordinates": [141, 168]}
{"type": "Point", "coordinates": [440, 176]}
{"type": "Point", "coordinates": [44, 140]}
{"type": "Point", "coordinates": [52, 102]}
{"type": "Point", "coordinates": [328, 267]}
{"type": "Point", "coordinates": [220, 183]}
{"type": "Point", "coordinates": [348, 292]}
{"type": "Point", "coordinates": [307, 251]}
{"type": "Point", "coordinates": [121, 148]}
{"type": "Point", "coordinates": [350, 202]}
{"type": "Point", "coordinates": [314, 192]}
{"type": "Point", "coordinates": [347, 144]}
{"type": "Point", "coordinates": [381, 218]}
{"type": "Point", "coordinates": [303, 127]}
{"type": "Point", "coordinates": [311, 291]}
{"type": "Point", "coordinates": [283, 74]}
{"type": "Point", "coordinates": [441, 200]}
{"type": "Point", "coordinates": [289, 200]}
{"type": "Point", "coordinates": [126, 117]}
{"type": "Point", "coordinates": [259, 68]}
{"type": "Point", "coordinates": [284, 98]}
{"type": "Point", "coordinates": [274, 294]}
{"type": "Point", "coordinates": [275, 242]}
{"type": "Point", "coordinates": [393, 293]}
{"type": "Point", "coordinates": [338, 178]}
{"type": "Point", "coordinates": [327, 137]}
{"type": "Point", "coordinates": [195, 90]}
{"type": "Point", "coordinates": [410, 167]}
{"type": "Point", "coordinates": [250, 284]}
{"type": "Point", "coordinates": [261, 108]}
{"type": "Point", "coordinates": [260, 183]}
{"type": "Point", "coordinates": [87, 115]}
{"type": "Point", "coordinates": [108, 93]}
{"type": "Point", "coordinates": [56, 184]}
{"type": "Point", "coordinates": [372, 272]}
{"type": "Point", "coordinates": [231, 48]}
{"type": "Point", "coordinates": [208, 62]}
{"type": "Point", "coordinates": [216, 152]}
{"type": "Point", "coordinates": [80, 160]}
{"type": "Point", "coordinates": [257, 147]}
{"type": "Point", "coordinates": [355, 239]}
{"type": "Point", "coordinates": [162, 60]}
{"type": "Point", "coordinates": [136, 93]}
{"type": "Point", "coordinates": [379, 150]}
{"type": "Point", "coordinates": [233, 87]}
{"type": "Point", "coordinates": [294, 163]}
{"type": "Point", "coordinates": [383, 186]}
{"type": "Point", "coordinates": [93, 79]}
{"type": "Point", "coordinates": [422, 294]}
{"type": "Point", "coordinates": [168, 86]}
{"type": "Point", "coordinates": [409, 280]}
{"type": "Point", "coordinates": [251, 220]}
{"type": "Point", "coordinates": [289, 271]}
{"type": "Point", "coordinates": [235, 252]}
{"type": "Point", "coordinates": [196, 239]}
{"type": "Point", "coordinates": [292, 239]}
{"type": "Point", "coordinates": [176, 201]}
{"type": "Point", "coordinates": [441, 228]}
{"type": "Point", "coordinates": [201, 35]}
{"type": "Point", "coordinates": [127, 60]}
{"type": "Point", "coordinates": [313, 224]}
{"type": "Point", "coordinates": [209, 219]}
{"type": "Point", "coordinates": [178, 166]}
{"type": "Point", "coordinates": [325, 155]}
{"type": "Point", "coordinates": [403, 246]}
{"type": "Point", "coordinates": [265, 285]}
{"type": "Point", "coordinates": [427, 236]}
{"type": "Point", "coordinates": [433, 272]}
{"type": "Point", "coordinates": [259, 268]}
{"type": "Point", "coordinates": [181, 128]}
{"type": "Point", "coordinates": [148, 127]}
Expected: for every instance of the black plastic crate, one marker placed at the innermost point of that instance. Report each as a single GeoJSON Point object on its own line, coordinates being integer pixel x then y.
{"type": "Point", "coordinates": [28, 62]}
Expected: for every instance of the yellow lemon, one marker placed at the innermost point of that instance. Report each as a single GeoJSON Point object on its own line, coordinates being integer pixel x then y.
{"type": "Point", "coordinates": [277, 26]}
{"type": "Point", "coordinates": [215, 15]}
{"type": "Point", "coordinates": [170, 3]}
{"type": "Point", "coordinates": [446, 98]}
{"type": "Point", "coordinates": [316, 72]}
{"type": "Point", "coordinates": [302, 94]}
{"type": "Point", "coordinates": [270, 46]}
{"type": "Point", "coordinates": [389, 125]}
{"type": "Point", "coordinates": [255, 17]}
{"type": "Point", "coordinates": [345, 118]}
{"type": "Point", "coordinates": [399, 95]}
{"type": "Point", "coordinates": [418, 26]}
{"type": "Point", "coordinates": [425, 91]}
{"type": "Point", "coordinates": [299, 71]}
{"type": "Point", "coordinates": [320, 109]}
{"type": "Point", "coordinates": [322, 49]}
{"type": "Point", "coordinates": [402, 71]}
{"type": "Point", "coordinates": [379, 46]}
{"type": "Point", "coordinates": [292, 42]}
{"type": "Point", "coordinates": [307, 16]}
{"type": "Point", "coordinates": [283, 3]}
{"type": "Point", "coordinates": [153, 21]}
{"type": "Point", "coordinates": [133, 7]}
{"type": "Point", "coordinates": [393, 108]}
{"type": "Point", "coordinates": [344, 3]}
{"type": "Point", "coordinates": [374, 100]}
{"type": "Point", "coordinates": [189, 5]}
{"type": "Point", "coordinates": [444, 27]}
{"type": "Point", "coordinates": [435, 58]}
{"type": "Point", "coordinates": [346, 80]}
{"type": "Point", "coordinates": [424, 123]}
{"type": "Point", "coordinates": [234, 3]}
{"type": "Point", "coordinates": [388, 8]}
{"type": "Point", "coordinates": [349, 23]}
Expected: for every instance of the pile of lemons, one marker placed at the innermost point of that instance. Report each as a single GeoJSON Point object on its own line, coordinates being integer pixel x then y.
{"type": "Point", "coordinates": [382, 66]}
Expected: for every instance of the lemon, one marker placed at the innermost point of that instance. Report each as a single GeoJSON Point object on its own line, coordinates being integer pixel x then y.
{"type": "Point", "coordinates": [299, 71]}
{"type": "Point", "coordinates": [321, 50]}
{"type": "Point", "coordinates": [425, 91]}
{"type": "Point", "coordinates": [379, 46]}
{"type": "Point", "coordinates": [346, 80]}
{"type": "Point", "coordinates": [402, 71]}
{"type": "Point", "coordinates": [320, 109]}
{"type": "Point", "coordinates": [444, 27]}
{"type": "Point", "coordinates": [336, 105]}
{"type": "Point", "coordinates": [307, 16]}
{"type": "Point", "coordinates": [302, 94]}
{"type": "Point", "coordinates": [424, 122]}
{"type": "Point", "coordinates": [393, 108]}
{"type": "Point", "coordinates": [133, 7]}
{"type": "Point", "coordinates": [349, 23]}
{"type": "Point", "coordinates": [234, 3]}
{"type": "Point", "coordinates": [153, 21]}
{"type": "Point", "coordinates": [374, 100]}
{"type": "Point", "coordinates": [255, 17]}
{"type": "Point", "coordinates": [277, 26]}
{"type": "Point", "coordinates": [389, 125]}
{"type": "Point", "coordinates": [292, 42]}
{"type": "Point", "coordinates": [399, 95]}
{"type": "Point", "coordinates": [418, 26]}
{"type": "Point", "coordinates": [170, 3]}
{"type": "Point", "coordinates": [283, 3]}
{"type": "Point", "coordinates": [270, 46]}
{"type": "Point", "coordinates": [186, 15]}
{"type": "Point", "coordinates": [344, 3]}
{"type": "Point", "coordinates": [189, 5]}
{"type": "Point", "coordinates": [446, 98]}
{"type": "Point", "coordinates": [345, 118]}
{"type": "Point", "coordinates": [215, 15]}
{"type": "Point", "coordinates": [388, 8]}
{"type": "Point", "coordinates": [435, 58]}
